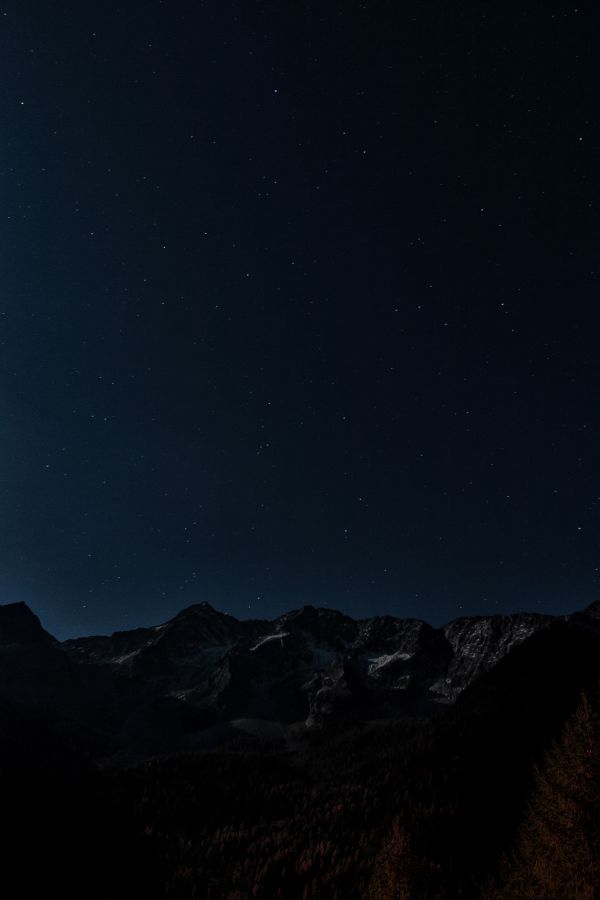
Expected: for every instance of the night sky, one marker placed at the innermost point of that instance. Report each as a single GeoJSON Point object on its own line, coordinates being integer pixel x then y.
{"type": "Point", "coordinates": [299, 304]}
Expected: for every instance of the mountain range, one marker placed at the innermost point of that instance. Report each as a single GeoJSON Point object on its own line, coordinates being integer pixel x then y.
{"type": "Point", "coordinates": [204, 676]}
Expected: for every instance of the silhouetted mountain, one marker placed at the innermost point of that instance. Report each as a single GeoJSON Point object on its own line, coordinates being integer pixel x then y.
{"type": "Point", "coordinates": [34, 667]}
{"type": "Point", "coordinates": [19, 625]}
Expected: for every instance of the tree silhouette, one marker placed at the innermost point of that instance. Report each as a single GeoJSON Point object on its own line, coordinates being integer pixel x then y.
{"type": "Point", "coordinates": [396, 870]}
{"type": "Point", "coordinates": [558, 854]}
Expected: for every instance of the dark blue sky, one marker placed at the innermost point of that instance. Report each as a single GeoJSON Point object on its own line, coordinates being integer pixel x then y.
{"type": "Point", "coordinates": [299, 304]}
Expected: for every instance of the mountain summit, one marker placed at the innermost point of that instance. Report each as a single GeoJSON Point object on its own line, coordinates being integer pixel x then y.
{"type": "Point", "coordinates": [19, 625]}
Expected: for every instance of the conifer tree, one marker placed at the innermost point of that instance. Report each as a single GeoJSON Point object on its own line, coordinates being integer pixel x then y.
{"type": "Point", "coordinates": [558, 855]}
{"type": "Point", "coordinates": [396, 870]}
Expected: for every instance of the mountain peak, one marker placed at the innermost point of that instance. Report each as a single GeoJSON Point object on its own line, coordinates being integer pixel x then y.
{"type": "Point", "coordinates": [18, 624]}
{"type": "Point", "coordinates": [309, 611]}
{"type": "Point", "coordinates": [196, 609]}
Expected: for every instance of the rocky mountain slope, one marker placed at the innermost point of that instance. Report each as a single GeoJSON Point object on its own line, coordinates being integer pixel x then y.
{"type": "Point", "coordinates": [203, 674]}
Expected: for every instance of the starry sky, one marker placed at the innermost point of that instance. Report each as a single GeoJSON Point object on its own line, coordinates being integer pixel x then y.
{"type": "Point", "coordinates": [298, 304]}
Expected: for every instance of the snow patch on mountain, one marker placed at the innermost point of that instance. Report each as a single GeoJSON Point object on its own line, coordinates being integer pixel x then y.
{"type": "Point", "coordinates": [268, 639]}
{"type": "Point", "coordinates": [379, 662]}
